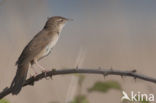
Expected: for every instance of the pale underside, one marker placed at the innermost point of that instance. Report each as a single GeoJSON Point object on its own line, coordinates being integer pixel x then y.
{"type": "Point", "coordinates": [47, 50]}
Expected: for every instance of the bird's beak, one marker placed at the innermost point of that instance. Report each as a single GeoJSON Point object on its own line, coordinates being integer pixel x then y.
{"type": "Point", "coordinates": [69, 19]}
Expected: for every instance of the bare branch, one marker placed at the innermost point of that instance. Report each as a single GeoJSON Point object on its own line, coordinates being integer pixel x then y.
{"type": "Point", "coordinates": [100, 71]}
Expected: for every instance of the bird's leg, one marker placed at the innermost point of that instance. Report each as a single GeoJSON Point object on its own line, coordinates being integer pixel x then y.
{"type": "Point", "coordinates": [34, 70]}
{"type": "Point", "coordinates": [41, 67]}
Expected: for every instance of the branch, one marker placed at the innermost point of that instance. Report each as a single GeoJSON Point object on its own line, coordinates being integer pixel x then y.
{"type": "Point", "coordinates": [100, 71]}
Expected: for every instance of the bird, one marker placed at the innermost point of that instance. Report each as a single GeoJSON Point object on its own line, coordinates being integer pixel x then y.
{"type": "Point", "coordinates": [39, 47]}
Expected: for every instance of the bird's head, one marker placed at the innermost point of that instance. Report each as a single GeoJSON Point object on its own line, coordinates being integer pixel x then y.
{"type": "Point", "coordinates": [57, 22]}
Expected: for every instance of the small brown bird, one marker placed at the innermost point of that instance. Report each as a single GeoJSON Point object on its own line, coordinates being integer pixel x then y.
{"type": "Point", "coordinates": [39, 47]}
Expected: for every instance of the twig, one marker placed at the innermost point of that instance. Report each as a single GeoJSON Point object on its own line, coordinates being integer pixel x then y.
{"type": "Point", "coordinates": [101, 71]}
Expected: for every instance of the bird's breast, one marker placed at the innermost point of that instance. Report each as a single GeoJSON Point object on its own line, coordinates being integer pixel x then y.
{"type": "Point", "coordinates": [51, 44]}
{"type": "Point", "coordinates": [46, 51]}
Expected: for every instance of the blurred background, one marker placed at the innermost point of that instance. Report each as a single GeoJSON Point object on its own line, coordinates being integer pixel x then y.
{"type": "Point", "coordinates": [108, 33]}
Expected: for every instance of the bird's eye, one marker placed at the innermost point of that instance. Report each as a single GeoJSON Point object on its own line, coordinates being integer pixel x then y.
{"type": "Point", "coordinates": [60, 20]}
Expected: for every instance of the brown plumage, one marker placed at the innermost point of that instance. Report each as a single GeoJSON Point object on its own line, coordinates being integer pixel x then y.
{"type": "Point", "coordinates": [39, 47]}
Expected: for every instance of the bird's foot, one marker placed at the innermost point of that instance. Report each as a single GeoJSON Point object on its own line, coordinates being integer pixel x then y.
{"type": "Point", "coordinates": [45, 73]}
{"type": "Point", "coordinates": [51, 76]}
{"type": "Point", "coordinates": [33, 75]}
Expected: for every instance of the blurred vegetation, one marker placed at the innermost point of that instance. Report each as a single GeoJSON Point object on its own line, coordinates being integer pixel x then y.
{"type": "Point", "coordinates": [98, 86]}
{"type": "Point", "coordinates": [80, 99]}
{"type": "Point", "coordinates": [105, 86]}
{"type": "Point", "coordinates": [4, 101]}
{"type": "Point", "coordinates": [81, 79]}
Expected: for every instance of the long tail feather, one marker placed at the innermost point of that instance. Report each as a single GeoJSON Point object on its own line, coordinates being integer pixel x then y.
{"type": "Point", "coordinates": [19, 78]}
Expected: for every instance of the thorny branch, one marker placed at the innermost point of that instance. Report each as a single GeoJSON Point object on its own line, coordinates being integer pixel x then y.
{"type": "Point", "coordinates": [104, 72]}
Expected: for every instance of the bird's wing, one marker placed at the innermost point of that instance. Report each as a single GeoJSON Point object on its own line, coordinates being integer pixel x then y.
{"type": "Point", "coordinates": [34, 47]}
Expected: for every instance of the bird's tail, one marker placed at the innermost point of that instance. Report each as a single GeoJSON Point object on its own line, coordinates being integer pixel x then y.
{"type": "Point", "coordinates": [19, 78]}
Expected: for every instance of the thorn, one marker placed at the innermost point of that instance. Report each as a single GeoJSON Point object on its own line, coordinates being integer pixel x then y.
{"type": "Point", "coordinates": [77, 67]}
{"type": "Point", "coordinates": [51, 76]}
{"type": "Point", "coordinates": [134, 71]}
{"type": "Point", "coordinates": [99, 68]}
{"type": "Point", "coordinates": [122, 76]}
{"type": "Point", "coordinates": [105, 74]}
{"type": "Point", "coordinates": [135, 79]}
{"type": "Point", "coordinates": [111, 68]}
{"type": "Point", "coordinates": [54, 70]}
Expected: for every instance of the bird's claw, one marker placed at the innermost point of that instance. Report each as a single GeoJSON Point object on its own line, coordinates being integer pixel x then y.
{"type": "Point", "coordinates": [34, 75]}
{"type": "Point", "coordinates": [45, 74]}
